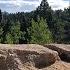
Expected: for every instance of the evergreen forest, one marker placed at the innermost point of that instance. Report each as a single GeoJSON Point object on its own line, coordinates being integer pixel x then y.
{"type": "Point", "coordinates": [40, 26]}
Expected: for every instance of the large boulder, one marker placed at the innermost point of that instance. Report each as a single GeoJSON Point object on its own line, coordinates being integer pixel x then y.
{"type": "Point", "coordinates": [26, 57]}
{"type": "Point", "coordinates": [62, 49]}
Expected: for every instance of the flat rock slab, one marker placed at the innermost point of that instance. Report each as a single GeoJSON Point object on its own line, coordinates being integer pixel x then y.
{"type": "Point", "coordinates": [26, 57]}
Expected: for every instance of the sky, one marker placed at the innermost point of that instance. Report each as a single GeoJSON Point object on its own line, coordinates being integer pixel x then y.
{"type": "Point", "coordinates": [13, 6]}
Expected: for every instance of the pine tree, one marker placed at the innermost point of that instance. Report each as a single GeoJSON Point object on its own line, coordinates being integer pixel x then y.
{"type": "Point", "coordinates": [40, 33]}
{"type": "Point", "coordinates": [0, 15]}
{"type": "Point", "coordinates": [9, 38]}
{"type": "Point", "coordinates": [59, 31]}
{"type": "Point", "coordinates": [14, 35]}
{"type": "Point", "coordinates": [1, 33]}
{"type": "Point", "coordinates": [45, 11]}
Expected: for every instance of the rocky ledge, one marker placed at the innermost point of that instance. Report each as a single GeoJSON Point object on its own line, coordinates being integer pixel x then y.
{"type": "Point", "coordinates": [19, 57]}
{"type": "Point", "coordinates": [30, 57]}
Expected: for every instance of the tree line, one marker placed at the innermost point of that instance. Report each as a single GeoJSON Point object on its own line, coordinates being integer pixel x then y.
{"type": "Point", "coordinates": [40, 26]}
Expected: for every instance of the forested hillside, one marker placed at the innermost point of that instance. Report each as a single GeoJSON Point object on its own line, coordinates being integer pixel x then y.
{"type": "Point", "coordinates": [42, 25]}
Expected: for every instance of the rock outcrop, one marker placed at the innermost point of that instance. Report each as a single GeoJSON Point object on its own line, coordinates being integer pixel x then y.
{"type": "Point", "coordinates": [26, 57]}
{"type": "Point", "coordinates": [34, 57]}
{"type": "Point", "coordinates": [62, 49]}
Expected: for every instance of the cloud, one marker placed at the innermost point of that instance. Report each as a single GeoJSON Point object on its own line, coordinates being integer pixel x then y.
{"type": "Point", "coordinates": [18, 5]}
{"type": "Point", "coordinates": [58, 4]}
{"type": "Point", "coordinates": [29, 5]}
{"type": "Point", "coordinates": [19, 2]}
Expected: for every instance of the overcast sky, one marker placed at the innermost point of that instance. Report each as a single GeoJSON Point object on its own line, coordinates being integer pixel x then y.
{"type": "Point", "coordinates": [13, 6]}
